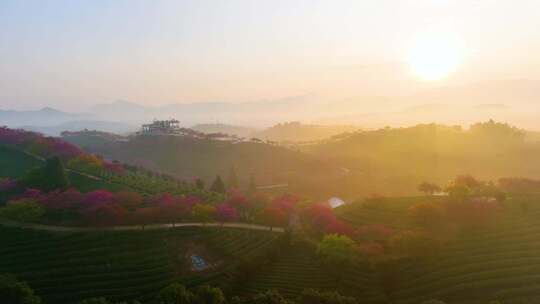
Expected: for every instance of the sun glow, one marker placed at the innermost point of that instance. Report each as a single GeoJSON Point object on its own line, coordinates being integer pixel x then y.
{"type": "Point", "coordinates": [435, 54]}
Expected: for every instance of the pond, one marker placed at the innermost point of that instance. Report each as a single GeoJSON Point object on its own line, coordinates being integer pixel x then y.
{"type": "Point", "coordinates": [198, 263]}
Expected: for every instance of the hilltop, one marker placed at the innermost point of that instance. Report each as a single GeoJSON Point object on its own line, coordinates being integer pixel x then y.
{"type": "Point", "coordinates": [189, 157]}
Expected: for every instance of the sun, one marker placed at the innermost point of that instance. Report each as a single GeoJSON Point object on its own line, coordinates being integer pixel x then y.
{"type": "Point", "coordinates": [435, 54]}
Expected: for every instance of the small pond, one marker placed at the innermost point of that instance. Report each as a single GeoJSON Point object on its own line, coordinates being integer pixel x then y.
{"type": "Point", "coordinates": [198, 263]}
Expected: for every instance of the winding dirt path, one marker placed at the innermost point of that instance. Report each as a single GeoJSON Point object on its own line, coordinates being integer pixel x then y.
{"type": "Point", "coordinates": [138, 227]}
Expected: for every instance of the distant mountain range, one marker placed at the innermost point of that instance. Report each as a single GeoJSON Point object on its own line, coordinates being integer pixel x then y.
{"type": "Point", "coordinates": [514, 101]}
{"type": "Point", "coordinates": [248, 113]}
{"type": "Point", "coordinates": [43, 117]}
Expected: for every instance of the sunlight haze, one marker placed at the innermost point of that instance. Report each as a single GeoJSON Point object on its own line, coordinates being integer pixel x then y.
{"type": "Point", "coordinates": [78, 53]}
{"type": "Point", "coordinates": [269, 151]}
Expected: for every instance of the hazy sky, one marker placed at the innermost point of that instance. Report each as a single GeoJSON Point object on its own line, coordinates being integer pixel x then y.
{"type": "Point", "coordinates": [71, 54]}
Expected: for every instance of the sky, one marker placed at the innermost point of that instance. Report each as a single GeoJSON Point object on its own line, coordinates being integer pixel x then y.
{"type": "Point", "coordinates": [71, 54]}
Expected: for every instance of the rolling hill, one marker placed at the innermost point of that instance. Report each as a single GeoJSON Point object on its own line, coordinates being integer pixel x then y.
{"type": "Point", "coordinates": [189, 157]}
{"type": "Point", "coordinates": [299, 132]}
{"type": "Point", "coordinates": [393, 161]}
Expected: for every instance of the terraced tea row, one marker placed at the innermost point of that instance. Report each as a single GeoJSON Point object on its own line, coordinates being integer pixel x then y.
{"type": "Point", "coordinates": [66, 267]}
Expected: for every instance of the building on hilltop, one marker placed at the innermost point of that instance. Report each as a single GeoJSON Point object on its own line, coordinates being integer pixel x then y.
{"type": "Point", "coordinates": [161, 127]}
{"type": "Point", "coordinates": [172, 127]}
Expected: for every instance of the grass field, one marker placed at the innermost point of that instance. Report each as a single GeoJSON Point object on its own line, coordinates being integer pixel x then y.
{"type": "Point", "coordinates": [67, 267]}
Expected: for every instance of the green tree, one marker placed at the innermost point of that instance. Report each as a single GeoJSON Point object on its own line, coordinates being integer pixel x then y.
{"type": "Point", "coordinates": [206, 294]}
{"type": "Point", "coordinates": [458, 192]}
{"type": "Point", "coordinates": [429, 188]}
{"type": "Point", "coordinates": [218, 185]}
{"type": "Point", "coordinates": [175, 294]}
{"type": "Point", "coordinates": [336, 250]}
{"type": "Point", "coordinates": [56, 174]}
{"type": "Point", "coordinates": [199, 183]}
{"type": "Point", "coordinates": [23, 210]}
{"type": "Point", "coordinates": [13, 291]}
{"type": "Point", "coordinates": [203, 213]}
{"type": "Point", "coordinates": [252, 187]}
{"type": "Point", "coordinates": [49, 177]}
{"type": "Point", "coordinates": [232, 181]}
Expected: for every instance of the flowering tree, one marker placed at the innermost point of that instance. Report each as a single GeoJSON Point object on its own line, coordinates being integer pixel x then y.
{"type": "Point", "coordinates": [319, 215]}
{"type": "Point", "coordinates": [128, 199]}
{"type": "Point", "coordinates": [238, 201]}
{"type": "Point", "coordinates": [172, 208]}
{"type": "Point", "coordinates": [32, 193]}
{"type": "Point", "coordinates": [285, 202]}
{"type": "Point", "coordinates": [338, 227]}
{"type": "Point", "coordinates": [97, 197]}
{"type": "Point", "coordinates": [374, 232]}
{"type": "Point", "coordinates": [7, 184]}
{"type": "Point", "coordinates": [190, 201]}
{"type": "Point", "coordinates": [273, 216]}
{"type": "Point", "coordinates": [61, 205]}
{"type": "Point", "coordinates": [226, 213]}
{"type": "Point", "coordinates": [146, 216]}
{"type": "Point", "coordinates": [105, 215]}
{"type": "Point", "coordinates": [323, 220]}
{"type": "Point", "coordinates": [114, 167]}
{"type": "Point", "coordinates": [38, 144]}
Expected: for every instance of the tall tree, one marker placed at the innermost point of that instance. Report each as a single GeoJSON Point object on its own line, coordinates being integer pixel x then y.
{"type": "Point", "coordinates": [199, 183]}
{"type": "Point", "coordinates": [218, 185]}
{"type": "Point", "coordinates": [252, 187]}
{"type": "Point", "coordinates": [232, 181]}
{"type": "Point", "coordinates": [49, 177]}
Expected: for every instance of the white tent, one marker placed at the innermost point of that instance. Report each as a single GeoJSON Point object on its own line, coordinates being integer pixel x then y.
{"type": "Point", "coordinates": [335, 202]}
